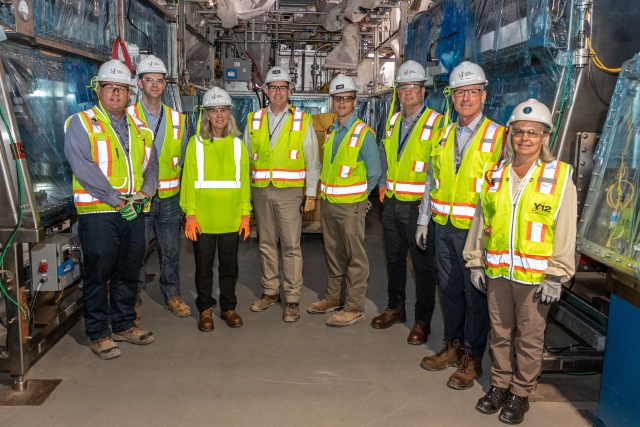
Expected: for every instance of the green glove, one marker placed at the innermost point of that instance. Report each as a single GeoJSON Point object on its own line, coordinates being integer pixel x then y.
{"type": "Point", "coordinates": [134, 205]}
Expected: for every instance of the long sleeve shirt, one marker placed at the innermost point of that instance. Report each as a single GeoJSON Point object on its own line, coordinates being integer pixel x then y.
{"type": "Point", "coordinates": [562, 262]}
{"type": "Point", "coordinates": [309, 147]}
{"type": "Point", "coordinates": [88, 173]}
{"type": "Point", "coordinates": [158, 140]}
{"type": "Point", "coordinates": [368, 152]}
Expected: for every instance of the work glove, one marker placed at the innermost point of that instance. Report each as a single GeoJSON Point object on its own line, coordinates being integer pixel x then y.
{"type": "Point", "coordinates": [192, 229]}
{"type": "Point", "coordinates": [244, 226]}
{"type": "Point", "coordinates": [308, 204]}
{"type": "Point", "coordinates": [478, 279]}
{"type": "Point", "coordinates": [383, 192]}
{"type": "Point", "coordinates": [368, 208]}
{"type": "Point", "coordinates": [549, 290]}
{"type": "Point", "coordinates": [134, 205]}
{"type": "Point", "coordinates": [421, 236]}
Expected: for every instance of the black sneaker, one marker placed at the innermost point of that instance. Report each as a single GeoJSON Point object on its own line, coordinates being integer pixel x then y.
{"type": "Point", "coordinates": [513, 409]}
{"type": "Point", "coordinates": [493, 400]}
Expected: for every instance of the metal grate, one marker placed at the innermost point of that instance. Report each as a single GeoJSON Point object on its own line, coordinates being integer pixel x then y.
{"type": "Point", "coordinates": [293, 4]}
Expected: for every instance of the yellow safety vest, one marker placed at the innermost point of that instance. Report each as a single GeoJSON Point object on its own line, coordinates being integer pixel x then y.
{"type": "Point", "coordinates": [519, 240]}
{"type": "Point", "coordinates": [344, 180]}
{"type": "Point", "coordinates": [456, 195]}
{"type": "Point", "coordinates": [406, 178]}
{"type": "Point", "coordinates": [169, 157]}
{"type": "Point", "coordinates": [283, 165]}
{"type": "Point", "coordinates": [124, 171]}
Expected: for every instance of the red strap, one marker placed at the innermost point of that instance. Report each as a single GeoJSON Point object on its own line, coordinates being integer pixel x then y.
{"type": "Point", "coordinates": [119, 43]}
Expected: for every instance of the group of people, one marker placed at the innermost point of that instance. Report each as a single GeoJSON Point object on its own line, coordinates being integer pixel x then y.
{"type": "Point", "coordinates": [488, 205]}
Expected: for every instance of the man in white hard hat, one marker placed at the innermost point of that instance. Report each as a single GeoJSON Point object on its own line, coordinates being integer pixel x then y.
{"type": "Point", "coordinates": [285, 167]}
{"type": "Point", "coordinates": [405, 153]}
{"type": "Point", "coordinates": [458, 161]}
{"type": "Point", "coordinates": [350, 171]}
{"type": "Point", "coordinates": [169, 140]}
{"type": "Point", "coordinates": [115, 172]}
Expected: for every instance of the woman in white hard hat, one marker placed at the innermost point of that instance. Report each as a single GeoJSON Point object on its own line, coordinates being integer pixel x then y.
{"type": "Point", "coordinates": [520, 249]}
{"type": "Point", "coordinates": [216, 197]}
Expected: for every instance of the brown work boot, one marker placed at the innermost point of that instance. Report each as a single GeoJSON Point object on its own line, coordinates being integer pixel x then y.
{"type": "Point", "coordinates": [105, 348]}
{"type": "Point", "coordinates": [448, 356]}
{"type": "Point", "coordinates": [469, 368]}
{"type": "Point", "coordinates": [390, 316]}
{"type": "Point", "coordinates": [206, 320]}
{"type": "Point", "coordinates": [137, 309]}
{"type": "Point", "coordinates": [232, 318]}
{"type": "Point", "coordinates": [178, 307]}
{"type": "Point", "coordinates": [345, 318]}
{"type": "Point", "coordinates": [291, 312]}
{"type": "Point", "coordinates": [324, 306]}
{"type": "Point", "coordinates": [265, 302]}
{"type": "Point", "coordinates": [419, 333]}
{"type": "Point", "coordinates": [134, 335]}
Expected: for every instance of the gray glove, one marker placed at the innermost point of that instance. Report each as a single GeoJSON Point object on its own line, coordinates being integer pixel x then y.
{"type": "Point", "coordinates": [421, 236]}
{"type": "Point", "coordinates": [478, 279]}
{"type": "Point", "coordinates": [369, 206]}
{"type": "Point", "coordinates": [134, 205]}
{"type": "Point", "coordinates": [550, 289]}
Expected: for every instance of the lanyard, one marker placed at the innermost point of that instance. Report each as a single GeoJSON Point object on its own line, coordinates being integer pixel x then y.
{"type": "Point", "coordinates": [455, 143]}
{"type": "Point", "coordinates": [277, 124]}
{"type": "Point", "coordinates": [155, 132]}
{"type": "Point", "coordinates": [523, 182]}
{"type": "Point", "coordinates": [124, 142]}
{"type": "Point", "coordinates": [406, 135]}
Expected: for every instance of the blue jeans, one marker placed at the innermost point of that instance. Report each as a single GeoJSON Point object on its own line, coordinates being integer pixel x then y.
{"type": "Point", "coordinates": [465, 310]}
{"type": "Point", "coordinates": [164, 220]}
{"type": "Point", "coordinates": [112, 249]}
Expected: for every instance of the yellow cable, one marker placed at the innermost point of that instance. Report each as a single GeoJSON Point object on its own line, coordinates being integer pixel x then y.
{"type": "Point", "coordinates": [598, 63]}
{"type": "Point", "coordinates": [59, 296]}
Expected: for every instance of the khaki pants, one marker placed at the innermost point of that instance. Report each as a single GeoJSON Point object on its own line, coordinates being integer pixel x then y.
{"type": "Point", "coordinates": [343, 235]}
{"type": "Point", "coordinates": [518, 321]}
{"type": "Point", "coordinates": [279, 220]}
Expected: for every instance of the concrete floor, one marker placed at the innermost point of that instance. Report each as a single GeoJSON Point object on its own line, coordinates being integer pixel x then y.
{"type": "Point", "coordinates": [267, 373]}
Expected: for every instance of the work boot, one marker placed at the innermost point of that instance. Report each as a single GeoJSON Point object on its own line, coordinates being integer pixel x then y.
{"type": "Point", "coordinates": [232, 318]}
{"type": "Point", "coordinates": [291, 312]}
{"type": "Point", "coordinates": [324, 306]}
{"type": "Point", "coordinates": [105, 348]}
{"type": "Point", "coordinates": [448, 356]}
{"type": "Point", "coordinates": [419, 333]}
{"type": "Point", "coordinates": [514, 409]}
{"type": "Point", "coordinates": [265, 302]}
{"type": "Point", "coordinates": [206, 320]}
{"type": "Point", "coordinates": [134, 335]}
{"type": "Point", "coordinates": [491, 402]}
{"type": "Point", "coordinates": [137, 309]}
{"type": "Point", "coordinates": [178, 307]}
{"type": "Point", "coordinates": [469, 368]}
{"type": "Point", "coordinates": [389, 317]}
{"type": "Point", "coordinates": [345, 318]}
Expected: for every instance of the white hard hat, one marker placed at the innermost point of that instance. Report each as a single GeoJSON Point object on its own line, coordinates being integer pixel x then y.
{"type": "Point", "coordinates": [277, 74]}
{"type": "Point", "coordinates": [410, 71]}
{"type": "Point", "coordinates": [340, 84]}
{"type": "Point", "coordinates": [115, 71]}
{"type": "Point", "coordinates": [532, 110]}
{"type": "Point", "coordinates": [467, 73]}
{"type": "Point", "coordinates": [216, 97]}
{"type": "Point", "coordinates": [151, 64]}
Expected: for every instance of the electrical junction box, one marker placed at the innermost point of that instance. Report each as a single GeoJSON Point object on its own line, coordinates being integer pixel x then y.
{"type": "Point", "coordinates": [58, 258]}
{"type": "Point", "coordinates": [236, 70]}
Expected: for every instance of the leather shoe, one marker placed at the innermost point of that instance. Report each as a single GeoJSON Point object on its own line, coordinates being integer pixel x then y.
{"type": "Point", "coordinates": [493, 400]}
{"type": "Point", "coordinates": [232, 318]}
{"type": "Point", "coordinates": [513, 409]}
{"type": "Point", "coordinates": [206, 320]}
{"type": "Point", "coordinates": [419, 333]}
{"type": "Point", "coordinates": [389, 317]}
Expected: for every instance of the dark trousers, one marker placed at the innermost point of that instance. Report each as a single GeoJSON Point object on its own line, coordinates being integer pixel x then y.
{"type": "Point", "coordinates": [466, 315]}
{"type": "Point", "coordinates": [400, 221]}
{"type": "Point", "coordinates": [205, 252]}
{"type": "Point", "coordinates": [112, 249]}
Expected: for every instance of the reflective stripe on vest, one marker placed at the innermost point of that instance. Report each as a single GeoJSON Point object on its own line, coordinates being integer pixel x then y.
{"type": "Point", "coordinates": [169, 184]}
{"type": "Point", "coordinates": [406, 187]}
{"type": "Point", "coordinates": [355, 136]}
{"type": "Point", "coordinates": [256, 119]}
{"type": "Point", "coordinates": [201, 183]}
{"type": "Point", "coordinates": [521, 262]}
{"type": "Point", "coordinates": [339, 191]}
{"type": "Point", "coordinates": [392, 123]}
{"type": "Point", "coordinates": [428, 126]}
{"type": "Point", "coordinates": [488, 141]}
{"type": "Point", "coordinates": [296, 120]}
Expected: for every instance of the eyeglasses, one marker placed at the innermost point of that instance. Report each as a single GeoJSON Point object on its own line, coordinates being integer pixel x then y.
{"type": "Point", "coordinates": [409, 87]}
{"type": "Point", "coordinates": [218, 110]}
{"type": "Point", "coordinates": [531, 133]}
{"type": "Point", "coordinates": [340, 99]}
{"type": "Point", "coordinates": [115, 88]}
{"type": "Point", "coordinates": [160, 81]}
{"type": "Point", "coordinates": [278, 88]}
{"type": "Point", "coordinates": [460, 93]}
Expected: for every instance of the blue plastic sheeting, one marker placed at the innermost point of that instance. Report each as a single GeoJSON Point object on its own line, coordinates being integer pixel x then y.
{"type": "Point", "coordinates": [504, 94]}
{"type": "Point", "coordinates": [161, 33]}
{"type": "Point", "coordinates": [609, 229]}
{"type": "Point", "coordinates": [310, 105]}
{"type": "Point", "coordinates": [363, 110]}
{"type": "Point", "coordinates": [242, 106]}
{"type": "Point", "coordinates": [45, 90]}
{"type": "Point", "coordinates": [89, 25]}
{"type": "Point", "coordinates": [382, 104]}
{"type": "Point", "coordinates": [7, 17]}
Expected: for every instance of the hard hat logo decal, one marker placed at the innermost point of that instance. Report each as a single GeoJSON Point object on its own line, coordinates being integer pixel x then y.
{"type": "Point", "coordinates": [276, 71]}
{"type": "Point", "coordinates": [113, 71]}
{"type": "Point", "coordinates": [527, 110]}
{"type": "Point", "coordinates": [339, 87]}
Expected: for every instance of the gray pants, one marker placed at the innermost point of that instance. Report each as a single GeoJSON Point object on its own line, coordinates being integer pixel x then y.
{"type": "Point", "coordinates": [343, 235]}
{"type": "Point", "coordinates": [279, 220]}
